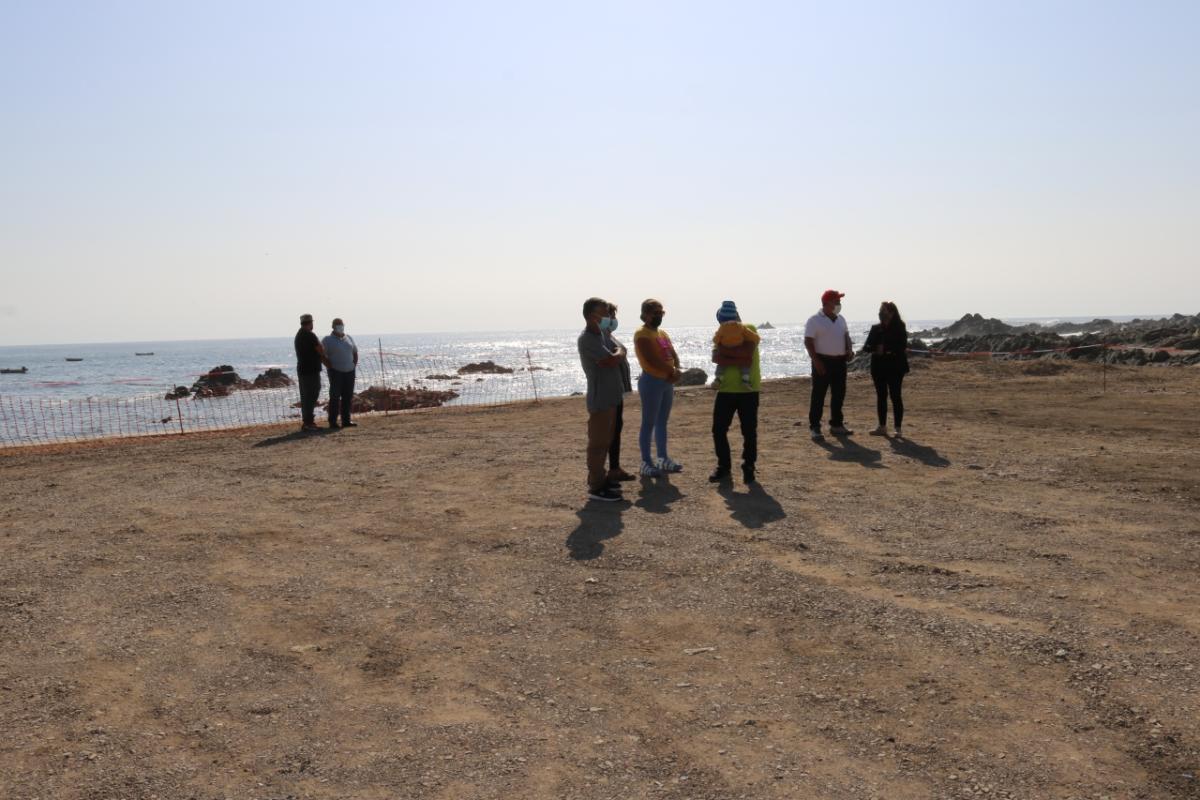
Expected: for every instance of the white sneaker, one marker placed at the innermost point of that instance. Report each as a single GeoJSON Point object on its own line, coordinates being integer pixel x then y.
{"type": "Point", "coordinates": [815, 433]}
{"type": "Point", "coordinates": [899, 435]}
{"type": "Point", "coordinates": [667, 465]}
{"type": "Point", "coordinates": [649, 471]}
{"type": "Point", "coordinates": [879, 431]}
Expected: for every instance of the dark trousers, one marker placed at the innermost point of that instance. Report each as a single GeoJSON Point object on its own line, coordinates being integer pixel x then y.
{"type": "Point", "coordinates": [834, 379]}
{"type": "Point", "coordinates": [745, 405]}
{"type": "Point", "coordinates": [599, 439]}
{"type": "Point", "coordinates": [888, 383]}
{"type": "Point", "coordinates": [614, 449]}
{"type": "Point", "coordinates": [341, 395]}
{"type": "Point", "coordinates": [310, 390]}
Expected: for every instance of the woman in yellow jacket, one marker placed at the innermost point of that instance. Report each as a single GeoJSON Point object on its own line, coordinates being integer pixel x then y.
{"type": "Point", "coordinates": [656, 387]}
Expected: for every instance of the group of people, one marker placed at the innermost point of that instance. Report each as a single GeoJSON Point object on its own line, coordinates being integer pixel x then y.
{"type": "Point", "coordinates": [338, 353]}
{"type": "Point", "coordinates": [738, 383]}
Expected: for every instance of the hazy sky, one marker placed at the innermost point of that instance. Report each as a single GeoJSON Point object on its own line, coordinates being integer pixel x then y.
{"type": "Point", "coordinates": [211, 170]}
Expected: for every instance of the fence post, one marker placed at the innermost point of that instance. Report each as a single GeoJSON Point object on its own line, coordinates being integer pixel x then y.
{"type": "Point", "coordinates": [179, 414]}
{"type": "Point", "coordinates": [532, 379]}
{"type": "Point", "coordinates": [1104, 368]}
{"type": "Point", "coordinates": [383, 377]}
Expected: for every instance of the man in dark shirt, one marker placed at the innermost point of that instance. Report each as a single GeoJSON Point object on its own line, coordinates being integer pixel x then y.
{"type": "Point", "coordinates": [310, 355]}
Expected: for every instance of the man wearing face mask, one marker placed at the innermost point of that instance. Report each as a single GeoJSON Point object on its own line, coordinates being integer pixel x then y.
{"type": "Point", "coordinates": [827, 339]}
{"type": "Point", "coordinates": [601, 363]}
{"type": "Point", "coordinates": [615, 472]}
{"type": "Point", "coordinates": [342, 354]}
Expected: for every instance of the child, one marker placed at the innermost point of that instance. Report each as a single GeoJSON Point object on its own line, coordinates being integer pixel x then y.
{"type": "Point", "coordinates": [733, 333]}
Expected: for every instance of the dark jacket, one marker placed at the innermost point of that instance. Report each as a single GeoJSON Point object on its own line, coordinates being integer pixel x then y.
{"type": "Point", "coordinates": [894, 357]}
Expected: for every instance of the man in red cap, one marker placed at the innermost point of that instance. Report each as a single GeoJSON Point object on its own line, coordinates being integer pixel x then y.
{"type": "Point", "coordinates": [827, 340]}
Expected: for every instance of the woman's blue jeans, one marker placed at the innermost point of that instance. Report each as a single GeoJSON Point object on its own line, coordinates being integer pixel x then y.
{"type": "Point", "coordinates": [657, 398]}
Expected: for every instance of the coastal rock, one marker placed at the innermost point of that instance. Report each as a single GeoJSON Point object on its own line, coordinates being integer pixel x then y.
{"type": "Point", "coordinates": [219, 382]}
{"type": "Point", "coordinates": [484, 367]}
{"type": "Point", "coordinates": [693, 377]}
{"type": "Point", "coordinates": [178, 393]}
{"type": "Point", "coordinates": [377, 398]}
{"type": "Point", "coordinates": [766, 326]}
{"type": "Point", "coordinates": [273, 378]}
{"type": "Point", "coordinates": [440, 377]}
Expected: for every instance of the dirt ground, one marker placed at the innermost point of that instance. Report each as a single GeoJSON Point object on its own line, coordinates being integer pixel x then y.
{"type": "Point", "coordinates": [1003, 605]}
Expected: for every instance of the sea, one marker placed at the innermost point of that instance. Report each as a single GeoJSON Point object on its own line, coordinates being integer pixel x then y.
{"type": "Point", "coordinates": [133, 369]}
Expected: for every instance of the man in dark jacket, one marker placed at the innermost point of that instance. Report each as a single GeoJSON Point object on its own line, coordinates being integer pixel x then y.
{"type": "Point", "coordinates": [310, 355]}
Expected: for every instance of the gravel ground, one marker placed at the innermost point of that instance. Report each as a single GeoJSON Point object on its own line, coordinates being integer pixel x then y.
{"type": "Point", "coordinates": [1003, 605]}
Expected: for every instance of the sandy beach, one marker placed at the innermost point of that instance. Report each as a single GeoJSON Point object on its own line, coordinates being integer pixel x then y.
{"type": "Point", "coordinates": [1004, 605]}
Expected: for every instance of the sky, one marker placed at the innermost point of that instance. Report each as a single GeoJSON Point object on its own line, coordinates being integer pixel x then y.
{"type": "Point", "coordinates": [212, 170]}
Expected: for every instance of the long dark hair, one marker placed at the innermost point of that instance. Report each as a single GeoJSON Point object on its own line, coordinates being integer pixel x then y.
{"type": "Point", "coordinates": [896, 318]}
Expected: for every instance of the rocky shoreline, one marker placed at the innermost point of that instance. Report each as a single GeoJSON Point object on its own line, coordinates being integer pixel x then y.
{"type": "Point", "coordinates": [1173, 340]}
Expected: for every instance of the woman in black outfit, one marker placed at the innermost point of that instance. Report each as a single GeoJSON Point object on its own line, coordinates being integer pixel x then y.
{"type": "Point", "coordinates": [888, 345]}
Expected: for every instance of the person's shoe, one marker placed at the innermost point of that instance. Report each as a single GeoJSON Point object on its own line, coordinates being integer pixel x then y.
{"type": "Point", "coordinates": [349, 424]}
{"type": "Point", "coordinates": [840, 430]}
{"type": "Point", "coordinates": [620, 475]}
{"type": "Point", "coordinates": [604, 495]}
{"type": "Point", "coordinates": [650, 471]}
{"type": "Point", "coordinates": [719, 474]}
{"type": "Point", "coordinates": [899, 435]}
{"type": "Point", "coordinates": [613, 486]}
{"type": "Point", "coordinates": [669, 465]}
{"type": "Point", "coordinates": [333, 426]}
{"type": "Point", "coordinates": [880, 430]}
{"type": "Point", "coordinates": [748, 476]}
{"type": "Point", "coordinates": [815, 433]}
{"type": "Point", "coordinates": [309, 427]}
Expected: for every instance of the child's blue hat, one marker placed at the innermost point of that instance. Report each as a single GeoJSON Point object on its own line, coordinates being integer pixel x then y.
{"type": "Point", "coordinates": [728, 312]}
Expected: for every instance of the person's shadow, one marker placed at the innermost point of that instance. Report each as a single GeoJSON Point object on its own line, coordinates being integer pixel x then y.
{"type": "Point", "coordinates": [597, 522]}
{"type": "Point", "coordinates": [919, 452]}
{"type": "Point", "coordinates": [657, 495]}
{"type": "Point", "coordinates": [290, 437]}
{"type": "Point", "coordinates": [753, 508]}
{"type": "Point", "coordinates": [852, 451]}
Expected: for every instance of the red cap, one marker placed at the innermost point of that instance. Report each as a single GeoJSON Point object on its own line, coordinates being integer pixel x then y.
{"type": "Point", "coordinates": [831, 295]}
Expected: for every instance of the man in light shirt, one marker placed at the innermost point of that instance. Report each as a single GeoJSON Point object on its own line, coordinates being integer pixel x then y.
{"type": "Point", "coordinates": [342, 355]}
{"type": "Point", "coordinates": [827, 339]}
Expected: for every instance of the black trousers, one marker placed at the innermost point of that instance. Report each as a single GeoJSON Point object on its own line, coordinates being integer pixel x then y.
{"type": "Point", "coordinates": [341, 394]}
{"type": "Point", "coordinates": [888, 383]}
{"type": "Point", "coordinates": [614, 449]}
{"type": "Point", "coordinates": [834, 382]}
{"type": "Point", "coordinates": [745, 405]}
{"type": "Point", "coordinates": [310, 390]}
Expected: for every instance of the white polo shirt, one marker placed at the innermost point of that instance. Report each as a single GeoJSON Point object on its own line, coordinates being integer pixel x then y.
{"type": "Point", "coordinates": [828, 335]}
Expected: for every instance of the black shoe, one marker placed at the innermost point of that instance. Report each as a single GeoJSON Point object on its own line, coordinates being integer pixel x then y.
{"type": "Point", "coordinates": [349, 424]}
{"type": "Point", "coordinates": [333, 426]}
{"type": "Point", "coordinates": [604, 495]}
{"type": "Point", "coordinates": [719, 474]}
{"type": "Point", "coordinates": [748, 476]}
{"type": "Point", "coordinates": [613, 486]}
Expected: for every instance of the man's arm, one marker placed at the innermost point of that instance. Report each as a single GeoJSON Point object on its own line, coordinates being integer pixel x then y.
{"type": "Point", "coordinates": [597, 352]}
{"type": "Point", "coordinates": [810, 344]}
{"type": "Point", "coordinates": [321, 352]}
{"type": "Point", "coordinates": [849, 346]}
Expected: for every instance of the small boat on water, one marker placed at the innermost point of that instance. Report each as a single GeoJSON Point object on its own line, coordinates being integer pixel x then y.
{"type": "Point", "coordinates": [74, 359]}
{"type": "Point", "coordinates": [10, 371]}
{"type": "Point", "coordinates": [143, 354]}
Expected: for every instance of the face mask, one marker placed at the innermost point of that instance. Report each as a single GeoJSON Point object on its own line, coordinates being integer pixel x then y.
{"type": "Point", "coordinates": [339, 328]}
{"type": "Point", "coordinates": [837, 309]}
{"type": "Point", "coordinates": [656, 320]}
{"type": "Point", "coordinates": [608, 324]}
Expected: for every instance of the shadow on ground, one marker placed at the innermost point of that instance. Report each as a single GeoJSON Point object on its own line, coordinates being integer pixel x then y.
{"type": "Point", "coordinates": [847, 449]}
{"type": "Point", "coordinates": [923, 453]}
{"type": "Point", "coordinates": [657, 495]}
{"type": "Point", "coordinates": [290, 437]}
{"type": "Point", "coordinates": [753, 508]}
{"type": "Point", "coordinates": [597, 522]}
